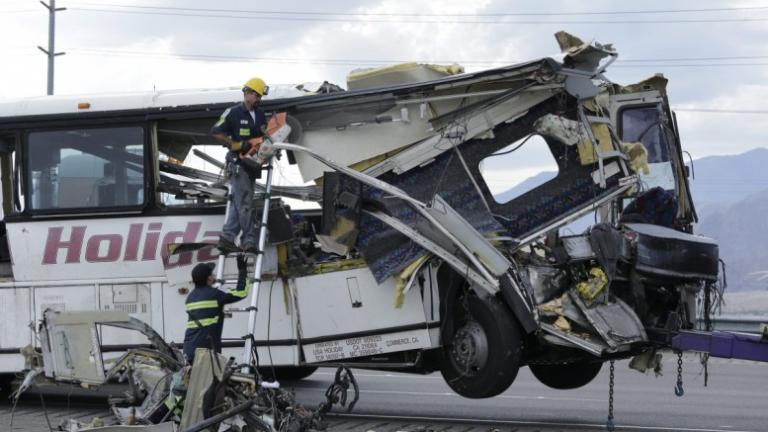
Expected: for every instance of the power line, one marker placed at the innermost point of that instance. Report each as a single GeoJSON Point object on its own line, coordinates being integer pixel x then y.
{"type": "Point", "coordinates": [395, 14]}
{"type": "Point", "coordinates": [401, 21]}
{"type": "Point", "coordinates": [391, 61]}
{"type": "Point", "coordinates": [631, 60]}
{"type": "Point", "coordinates": [720, 111]}
{"type": "Point", "coordinates": [687, 65]}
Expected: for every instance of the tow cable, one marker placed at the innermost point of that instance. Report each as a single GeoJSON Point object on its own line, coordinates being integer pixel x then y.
{"type": "Point", "coordinates": [609, 426]}
{"type": "Point", "coordinates": [679, 392]}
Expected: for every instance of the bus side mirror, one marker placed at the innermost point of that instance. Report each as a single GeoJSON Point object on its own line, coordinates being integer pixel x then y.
{"type": "Point", "coordinates": [687, 171]}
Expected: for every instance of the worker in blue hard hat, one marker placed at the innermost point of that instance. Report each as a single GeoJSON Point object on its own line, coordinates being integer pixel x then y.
{"type": "Point", "coordinates": [241, 128]}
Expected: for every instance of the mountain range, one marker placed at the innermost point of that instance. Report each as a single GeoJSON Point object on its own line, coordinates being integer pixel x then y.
{"type": "Point", "coordinates": [731, 197]}
{"type": "Point", "coordinates": [730, 194]}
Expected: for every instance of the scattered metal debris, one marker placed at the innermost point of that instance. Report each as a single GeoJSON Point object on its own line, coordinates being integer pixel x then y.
{"type": "Point", "coordinates": [164, 394]}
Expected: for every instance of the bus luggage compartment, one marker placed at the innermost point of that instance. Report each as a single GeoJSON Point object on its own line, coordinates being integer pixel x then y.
{"type": "Point", "coordinates": [346, 314]}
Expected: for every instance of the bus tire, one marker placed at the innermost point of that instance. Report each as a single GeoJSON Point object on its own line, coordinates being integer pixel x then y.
{"type": "Point", "coordinates": [287, 373]}
{"type": "Point", "coordinates": [483, 355]}
{"type": "Point", "coordinates": [566, 376]}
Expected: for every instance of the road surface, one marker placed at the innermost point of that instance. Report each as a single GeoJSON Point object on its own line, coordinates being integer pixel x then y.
{"type": "Point", "coordinates": [734, 401]}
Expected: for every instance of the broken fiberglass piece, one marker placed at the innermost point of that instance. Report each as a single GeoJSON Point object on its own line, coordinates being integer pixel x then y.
{"type": "Point", "coordinates": [72, 348]}
{"type": "Point", "coordinates": [402, 73]}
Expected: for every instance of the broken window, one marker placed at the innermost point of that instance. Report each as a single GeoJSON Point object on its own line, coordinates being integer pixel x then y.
{"type": "Point", "coordinates": [86, 168]}
{"type": "Point", "coordinates": [643, 124]}
{"type": "Point", "coordinates": [518, 168]}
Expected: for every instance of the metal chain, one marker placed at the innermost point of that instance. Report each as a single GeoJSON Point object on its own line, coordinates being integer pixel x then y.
{"type": "Point", "coordinates": [609, 426]}
{"type": "Point", "coordinates": [679, 392]}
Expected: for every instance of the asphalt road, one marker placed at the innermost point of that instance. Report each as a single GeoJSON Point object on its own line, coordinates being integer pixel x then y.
{"type": "Point", "coordinates": [735, 400]}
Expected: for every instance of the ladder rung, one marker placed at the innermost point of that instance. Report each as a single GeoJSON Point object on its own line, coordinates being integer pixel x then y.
{"type": "Point", "coordinates": [245, 309]}
{"type": "Point", "coordinates": [226, 281]}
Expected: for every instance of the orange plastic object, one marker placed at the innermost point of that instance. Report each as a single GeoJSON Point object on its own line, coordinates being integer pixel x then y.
{"type": "Point", "coordinates": [275, 123]}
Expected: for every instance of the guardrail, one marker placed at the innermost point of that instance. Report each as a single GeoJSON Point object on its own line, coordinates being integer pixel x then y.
{"type": "Point", "coordinates": [738, 323]}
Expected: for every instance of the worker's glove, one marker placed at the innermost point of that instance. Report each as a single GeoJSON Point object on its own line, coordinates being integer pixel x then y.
{"type": "Point", "coordinates": [242, 263]}
{"type": "Point", "coordinates": [252, 146]}
{"type": "Point", "coordinates": [235, 146]}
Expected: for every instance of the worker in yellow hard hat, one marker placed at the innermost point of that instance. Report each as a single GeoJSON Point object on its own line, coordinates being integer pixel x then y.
{"type": "Point", "coordinates": [240, 129]}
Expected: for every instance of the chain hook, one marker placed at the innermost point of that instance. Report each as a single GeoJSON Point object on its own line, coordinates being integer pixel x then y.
{"type": "Point", "coordinates": [679, 392]}
{"type": "Point", "coordinates": [609, 426]}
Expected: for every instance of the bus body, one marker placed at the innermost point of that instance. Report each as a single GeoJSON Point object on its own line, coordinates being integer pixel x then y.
{"type": "Point", "coordinates": [411, 262]}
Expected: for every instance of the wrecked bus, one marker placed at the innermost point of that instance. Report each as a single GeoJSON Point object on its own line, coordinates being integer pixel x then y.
{"type": "Point", "coordinates": [414, 257]}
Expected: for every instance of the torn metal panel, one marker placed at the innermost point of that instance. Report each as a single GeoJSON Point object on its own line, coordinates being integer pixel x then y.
{"type": "Point", "coordinates": [72, 346]}
{"type": "Point", "coordinates": [427, 244]}
{"type": "Point", "coordinates": [547, 282]}
{"type": "Point", "coordinates": [474, 124]}
{"type": "Point", "coordinates": [615, 322]}
{"type": "Point", "coordinates": [583, 62]}
{"type": "Point", "coordinates": [354, 137]}
{"type": "Point", "coordinates": [465, 233]}
{"type": "Point", "coordinates": [72, 351]}
{"type": "Point", "coordinates": [386, 188]}
{"type": "Point", "coordinates": [587, 343]}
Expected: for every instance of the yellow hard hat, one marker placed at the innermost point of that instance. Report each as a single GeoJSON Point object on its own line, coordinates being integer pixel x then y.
{"type": "Point", "coordinates": [258, 85]}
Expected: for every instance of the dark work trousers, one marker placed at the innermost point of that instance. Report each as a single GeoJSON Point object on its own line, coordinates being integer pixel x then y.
{"type": "Point", "coordinates": [240, 215]}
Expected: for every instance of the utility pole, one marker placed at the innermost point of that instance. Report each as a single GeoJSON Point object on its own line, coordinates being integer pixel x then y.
{"type": "Point", "coordinates": [51, 51]}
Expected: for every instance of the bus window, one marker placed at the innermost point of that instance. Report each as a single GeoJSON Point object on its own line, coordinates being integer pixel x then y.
{"type": "Point", "coordinates": [518, 168]}
{"type": "Point", "coordinates": [85, 168]}
{"type": "Point", "coordinates": [644, 124]}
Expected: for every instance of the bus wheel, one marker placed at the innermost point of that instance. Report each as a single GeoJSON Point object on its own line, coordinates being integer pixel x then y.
{"type": "Point", "coordinates": [287, 373]}
{"type": "Point", "coordinates": [566, 376]}
{"type": "Point", "coordinates": [483, 356]}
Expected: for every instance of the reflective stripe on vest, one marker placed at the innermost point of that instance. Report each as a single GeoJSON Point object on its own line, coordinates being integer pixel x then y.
{"type": "Point", "coordinates": [205, 304]}
{"type": "Point", "coordinates": [205, 322]}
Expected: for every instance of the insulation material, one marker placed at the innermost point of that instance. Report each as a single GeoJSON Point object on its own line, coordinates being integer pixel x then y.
{"type": "Point", "coordinates": [602, 134]}
{"type": "Point", "coordinates": [656, 82]}
{"type": "Point", "coordinates": [598, 104]}
{"type": "Point", "coordinates": [592, 287]}
{"type": "Point", "coordinates": [567, 131]}
{"type": "Point", "coordinates": [562, 324]}
{"type": "Point", "coordinates": [638, 157]}
{"type": "Point", "coordinates": [401, 279]}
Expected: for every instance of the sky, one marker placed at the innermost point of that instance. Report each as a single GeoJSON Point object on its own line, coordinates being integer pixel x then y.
{"type": "Point", "coordinates": [713, 52]}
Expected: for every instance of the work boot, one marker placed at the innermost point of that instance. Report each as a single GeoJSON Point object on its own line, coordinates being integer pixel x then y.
{"type": "Point", "coordinates": [250, 248]}
{"type": "Point", "coordinates": [226, 246]}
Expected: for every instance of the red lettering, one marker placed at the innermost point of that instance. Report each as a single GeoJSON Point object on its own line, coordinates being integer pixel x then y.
{"type": "Point", "coordinates": [114, 244]}
{"type": "Point", "coordinates": [150, 243]}
{"type": "Point", "coordinates": [54, 243]}
{"type": "Point", "coordinates": [132, 245]}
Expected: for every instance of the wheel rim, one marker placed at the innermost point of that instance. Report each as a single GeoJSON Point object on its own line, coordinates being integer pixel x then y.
{"type": "Point", "coordinates": [469, 352]}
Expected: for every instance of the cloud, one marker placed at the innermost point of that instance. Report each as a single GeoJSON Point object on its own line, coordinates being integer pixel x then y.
{"type": "Point", "coordinates": [160, 43]}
